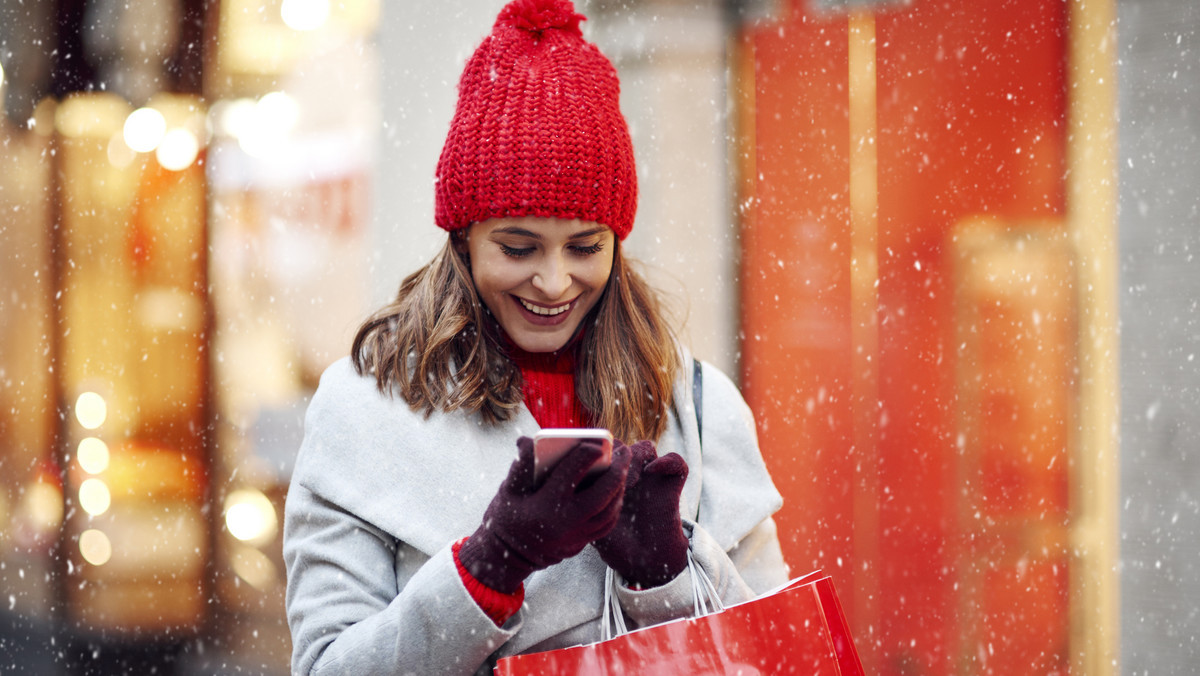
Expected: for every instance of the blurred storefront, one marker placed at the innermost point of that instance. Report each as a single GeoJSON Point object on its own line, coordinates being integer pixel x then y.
{"type": "Point", "coordinates": [910, 265]}
{"type": "Point", "coordinates": [183, 260]}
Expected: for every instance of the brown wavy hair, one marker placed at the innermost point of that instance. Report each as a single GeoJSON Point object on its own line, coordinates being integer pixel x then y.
{"type": "Point", "coordinates": [438, 348]}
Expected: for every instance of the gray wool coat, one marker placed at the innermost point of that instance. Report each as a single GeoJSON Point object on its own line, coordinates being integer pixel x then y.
{"type": "Point", "coordinates": [380, 493]}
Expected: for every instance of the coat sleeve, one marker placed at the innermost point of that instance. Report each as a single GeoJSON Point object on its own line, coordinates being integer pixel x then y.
{"type": "Point", "coordinates": [349, 614]}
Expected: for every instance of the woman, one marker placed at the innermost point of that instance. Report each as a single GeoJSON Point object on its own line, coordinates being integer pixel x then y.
{"type": "Point", "coordinates": [414, 542]}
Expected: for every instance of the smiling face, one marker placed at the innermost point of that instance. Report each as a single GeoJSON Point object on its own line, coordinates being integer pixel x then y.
{"type": "Point", "coordinates": [540, 277]}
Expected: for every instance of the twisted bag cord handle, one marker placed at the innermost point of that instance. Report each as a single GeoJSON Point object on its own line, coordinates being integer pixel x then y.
{"type": "Point", "coordinates": [705, 600]}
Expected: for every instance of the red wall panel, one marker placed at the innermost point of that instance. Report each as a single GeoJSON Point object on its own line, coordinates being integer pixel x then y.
{"type": "Point", "coordinates": [971, 119]}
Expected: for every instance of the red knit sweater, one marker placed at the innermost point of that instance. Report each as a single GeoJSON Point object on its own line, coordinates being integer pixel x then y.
{"type": "Point", "coordinates": [548, 384]}
{"type": "Point", "coordinates": [549, 389]}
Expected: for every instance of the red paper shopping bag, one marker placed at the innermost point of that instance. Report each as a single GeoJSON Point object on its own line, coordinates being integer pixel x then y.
{"type": "Point", "coordinates": [799, 629]}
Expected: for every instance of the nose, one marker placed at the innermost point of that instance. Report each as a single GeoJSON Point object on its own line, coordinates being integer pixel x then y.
{"type": "Point", "coordinates": [552, 277]}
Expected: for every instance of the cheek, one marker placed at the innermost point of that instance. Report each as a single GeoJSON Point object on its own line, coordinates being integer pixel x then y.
{"type": "Point", "coordinates": [495, 277]}
{"type": "Point", "coordinates": [598, 274]}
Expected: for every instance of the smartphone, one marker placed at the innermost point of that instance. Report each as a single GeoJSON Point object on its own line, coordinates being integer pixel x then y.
{"type": "Point", "coordinates": [550, 444]}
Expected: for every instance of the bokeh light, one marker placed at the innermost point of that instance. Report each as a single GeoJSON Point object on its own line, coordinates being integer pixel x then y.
{"type": "Point", "coordinates": [42, 506]}
{"type": "Point", "coordinates": [120, 155]}
{"type": "Point", "coordinates": [144, 129]}
{"type": "Point", "coordinates": [230, 118]}
{"type": "Point", "coordinates": [94, 496]}
{"type": "Point", "coordinates": [264, 131]}
{"type": "Point", "coordinates": [90, 410]}
{"type": "Point", "coordinates": [95, 547]}
{"type": "Point", "coordinates": [304, 15]}
{"type": "Point", "coordinates": [92, 455]}
{"type": "Point", "coordinates": [254, 567]}
{"type": "Point", "coordinates": [178, 149]}
{"type": "Point", "coordinates": [250, 516]}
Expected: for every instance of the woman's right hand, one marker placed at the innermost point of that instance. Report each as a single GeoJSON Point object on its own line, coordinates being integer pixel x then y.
{"type": "Point", "coordinates": [529, 527]}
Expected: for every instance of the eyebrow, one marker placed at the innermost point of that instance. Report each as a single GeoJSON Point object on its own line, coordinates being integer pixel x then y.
{"type": "Point", "coordinates": [522, 232]}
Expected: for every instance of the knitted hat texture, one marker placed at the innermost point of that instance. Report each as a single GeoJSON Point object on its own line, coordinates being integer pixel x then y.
{"type": "Point", "coordinates": [538, 130]}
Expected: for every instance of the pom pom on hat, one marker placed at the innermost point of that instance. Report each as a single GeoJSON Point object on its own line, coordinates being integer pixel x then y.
{"type": "Point", "coordinates": [538, 129]}
{"type": "Point", "coordinates": [538, 15]}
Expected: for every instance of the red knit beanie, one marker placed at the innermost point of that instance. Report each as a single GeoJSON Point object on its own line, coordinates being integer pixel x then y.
{"type": "Point", "coordinates": [538, 130]}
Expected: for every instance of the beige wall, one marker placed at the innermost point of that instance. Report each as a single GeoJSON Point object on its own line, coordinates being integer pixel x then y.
{"type": "Point", "coordinates": [671, 57]}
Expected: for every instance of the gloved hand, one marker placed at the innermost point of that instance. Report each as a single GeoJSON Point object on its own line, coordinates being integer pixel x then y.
{"type": "Point", "coordinates": [529, 527]}
{"type": "Point", "coordinates": [648, 546]}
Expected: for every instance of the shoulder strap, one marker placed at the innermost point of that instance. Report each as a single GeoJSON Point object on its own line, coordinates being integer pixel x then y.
{"type": "Point", "coordinates": [698, 398]}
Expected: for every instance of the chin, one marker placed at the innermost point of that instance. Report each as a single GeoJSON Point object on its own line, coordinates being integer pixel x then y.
{"type": "Point", "coordinates": [537, 341]}
{"type": "Point", "coordinates": [530, 344]}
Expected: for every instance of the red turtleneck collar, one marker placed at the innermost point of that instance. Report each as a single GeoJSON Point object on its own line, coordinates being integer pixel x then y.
{"type": "Point", "coordinates": [548, 384]}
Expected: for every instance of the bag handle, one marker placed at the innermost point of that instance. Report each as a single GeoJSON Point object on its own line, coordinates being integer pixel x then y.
{"type": "Point", "coordinates": [612, 619]}
{"type": "Point", "coordinates": [705, 600]}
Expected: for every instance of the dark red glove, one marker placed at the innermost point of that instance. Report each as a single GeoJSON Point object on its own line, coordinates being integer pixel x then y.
{"type": "Point", "coordinates": [648, 546]}
{"type": "Point", "coordinates": [528, 527]}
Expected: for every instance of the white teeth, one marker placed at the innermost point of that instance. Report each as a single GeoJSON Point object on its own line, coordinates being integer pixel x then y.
{"type": "Point", "coordinates": [545, 311]}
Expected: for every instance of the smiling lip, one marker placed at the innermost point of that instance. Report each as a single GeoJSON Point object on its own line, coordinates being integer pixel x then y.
{"type": "Point", "coordinates": [545, 315]}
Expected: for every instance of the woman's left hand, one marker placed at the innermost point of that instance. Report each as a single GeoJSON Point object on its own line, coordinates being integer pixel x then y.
{"type": "Point", "coordinates": [648, 546]}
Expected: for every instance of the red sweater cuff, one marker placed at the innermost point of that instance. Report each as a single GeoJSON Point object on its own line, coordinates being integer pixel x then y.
{"type": "Point", "coordinates": [496, 605]}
